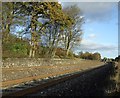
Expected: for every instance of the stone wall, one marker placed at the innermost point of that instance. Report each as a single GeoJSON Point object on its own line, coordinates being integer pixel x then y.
{"type": "Point", "coordinates": [24, 62]}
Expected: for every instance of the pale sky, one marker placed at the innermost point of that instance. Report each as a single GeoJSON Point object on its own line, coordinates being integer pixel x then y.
{"type": "Point", "coordinates": [100, 28]}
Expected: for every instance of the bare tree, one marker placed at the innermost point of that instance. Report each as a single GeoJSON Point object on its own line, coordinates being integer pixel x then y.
{"type": "Point", "coordinates": [73, 35]}
{"type": "Point", "coordinates": [52, 36]}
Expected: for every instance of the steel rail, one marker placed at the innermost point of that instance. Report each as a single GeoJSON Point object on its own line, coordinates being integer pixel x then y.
{"type": "Point", "coordinates": [51, 82]}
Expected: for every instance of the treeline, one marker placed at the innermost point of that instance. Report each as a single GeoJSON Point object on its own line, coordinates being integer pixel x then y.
{"type": "Point", "coordinates": [39, 28]}
{"type": "Point", "coordinates": [117, 58]}
{"type": "Point", "coordinates": [89, 56]}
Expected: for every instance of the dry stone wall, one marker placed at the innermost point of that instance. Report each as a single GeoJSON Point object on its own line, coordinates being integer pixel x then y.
{"type": "Point", "coordinates": [27, 62]}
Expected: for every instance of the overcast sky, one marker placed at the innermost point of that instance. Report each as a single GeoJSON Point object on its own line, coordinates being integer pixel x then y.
{"type": "Point", "coordinates": [100, 28]}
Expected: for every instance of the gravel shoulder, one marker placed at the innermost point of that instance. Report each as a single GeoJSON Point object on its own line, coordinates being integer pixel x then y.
{"type": "Point", "coordinates": [28, 73]}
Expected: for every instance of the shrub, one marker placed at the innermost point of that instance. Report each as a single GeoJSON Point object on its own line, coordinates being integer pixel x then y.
{"type": "Point", "coordinates": [19, 48]}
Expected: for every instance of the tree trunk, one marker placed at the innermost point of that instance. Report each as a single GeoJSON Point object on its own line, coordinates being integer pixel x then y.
{"type": "Point", "coordinates": [54, 51]}
{"type": "Point", "coordinates": [33, 54]}
{"type": "Point", "coordinates": [7, 32]}
{"type": "Point", "coordinates": [30, 53]}
{"type": "Point", "coordinates": [34, 45]}
{"type": "Point", "coordinates": [68, 48]}
{"type": "Point", "coordinates": [7, 21]}
{"type": "Point", "coordinates": [34, 36]}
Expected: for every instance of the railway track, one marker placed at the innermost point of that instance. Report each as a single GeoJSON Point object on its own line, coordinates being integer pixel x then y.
{"type": "Point", "coordinates": [35, 86]}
